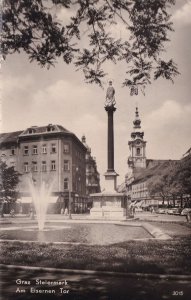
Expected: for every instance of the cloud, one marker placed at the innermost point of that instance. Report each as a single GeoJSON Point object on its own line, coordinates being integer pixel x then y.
{"type": "Point", "coordinates": [183, 15]}
{"type": "Point", "coordinates": [167, 130]}
{"type": "Point", "coordinates": [11, 84]}
{"type": "Point", "coordinates": [169, 114]}
{"type": "Point", "coordinates": [74, 107]}
{"type": "Point", "coordinates": [66, 95]}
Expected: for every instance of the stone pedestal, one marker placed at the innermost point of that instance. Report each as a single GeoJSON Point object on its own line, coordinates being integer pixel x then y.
{"type": "Point", "coordinates": [108, 206]}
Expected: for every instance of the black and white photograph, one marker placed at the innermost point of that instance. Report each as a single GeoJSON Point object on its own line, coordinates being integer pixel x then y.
{"type": "Point", "coordinates": [95, 150]}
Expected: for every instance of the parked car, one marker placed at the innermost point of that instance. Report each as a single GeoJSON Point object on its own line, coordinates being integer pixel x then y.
{"type": "Point", "coordinates": [162, 211]}
{"type": "Point", "coordinates": [185, 211]}
{"type": "Point", "coordinates": [170, 211]}
{"type": "Point", "coordinates": [174, 211]}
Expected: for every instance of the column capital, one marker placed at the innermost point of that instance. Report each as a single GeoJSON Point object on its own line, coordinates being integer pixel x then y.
{"type": "Point", "coordinates": [110, 108]}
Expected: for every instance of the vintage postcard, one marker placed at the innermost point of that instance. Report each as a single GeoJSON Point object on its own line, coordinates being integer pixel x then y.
{"type": "Point", "coordinates": [95, 150]}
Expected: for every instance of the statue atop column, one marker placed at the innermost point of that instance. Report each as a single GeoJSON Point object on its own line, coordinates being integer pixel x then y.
{"type": "Point", "coordinates": [110, 96]}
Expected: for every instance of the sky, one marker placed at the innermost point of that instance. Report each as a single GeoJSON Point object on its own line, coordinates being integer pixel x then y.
{"type": "Point", "coordinates": [36, 96]}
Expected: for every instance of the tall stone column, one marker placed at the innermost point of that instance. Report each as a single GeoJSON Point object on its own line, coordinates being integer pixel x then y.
{"type": "Point", "coordinates": [109, 204]}
{"type": "Point", "coordinates": [110, 139]}
{"type": "Point", "coordinates": [110, 175]}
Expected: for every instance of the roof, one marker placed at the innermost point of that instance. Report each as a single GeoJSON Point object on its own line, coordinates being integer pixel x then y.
{"type": "Point", "coordinates": [12, 137]}
{"type": "Point", "coordinates": [9, 137]}
{"type": "Point", "coordinates": [150, 163]}
{"type": "Point", "coordinates": [44, 129]}
{"type": "Point", "coordinates": [154, 167]}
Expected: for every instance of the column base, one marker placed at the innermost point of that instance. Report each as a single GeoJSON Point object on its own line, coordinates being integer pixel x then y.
{"type": "Point", "coordinates": [110, 183]}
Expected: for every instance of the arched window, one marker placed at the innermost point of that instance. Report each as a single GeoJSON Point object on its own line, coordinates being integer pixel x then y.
{"type": "Point", "coordinates": [138, 151]}
{"type": "Point", "coordinates": [66, 184]}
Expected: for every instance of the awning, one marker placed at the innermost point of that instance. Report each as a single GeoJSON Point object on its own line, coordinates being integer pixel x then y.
{"type": "Point", "coordinates": [136, 203]}
{"type": "Point", "coordinates": [139, 203]}
{"type": "Point", "coordinates": [144, 205]}
{"type": "Point", "coordinates": [25, 200]}
{"type": "Point", "coordinates": [52, 199]}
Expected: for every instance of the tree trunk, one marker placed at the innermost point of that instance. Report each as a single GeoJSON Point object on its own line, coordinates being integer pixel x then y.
{"type": "Point", "coordinates": [173, 201]}
{"type": "Point", "coordinates": [181, 201]}
{"type": "Point", "coordinates": [2, 210]}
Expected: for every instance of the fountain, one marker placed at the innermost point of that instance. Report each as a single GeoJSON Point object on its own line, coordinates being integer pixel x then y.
{"type": "Point", "coordinates": [40, 197]}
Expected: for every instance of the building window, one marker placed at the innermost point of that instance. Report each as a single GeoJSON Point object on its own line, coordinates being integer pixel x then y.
{"type": "Point", "coordinates": [35, 151]}
{"type": "Point", "coordinates": [53, 165]}
{"type": "Point", "coordinates": [34, 166]}
{"type": "Point", "coordinates": [66, 184]}
{"type": "Point", "coordinates": [138, 151]}
{"type": "Point", "coordinates": [26, 150]}
{"type": "Point", "coordinates": [50, 127]}
{"type": "Point", "coordinates": [66, 165]}
{"type": "Point", "coordinates": [44, 166]}
{"type": "Point", "coordinates": [12, 150]}
{"type": "Point", "coordinates": [44, 149]}
{"type": "Point", "coordinates": [31, 130]}
{"type": "Point", "coordinates": [53, 148]}
{"type": "Point", "coordinates": [26, 167]}
{"type": "Point", "coordinates": [66, 148]}
{"type": "Point", "coordinates": [80, 187]}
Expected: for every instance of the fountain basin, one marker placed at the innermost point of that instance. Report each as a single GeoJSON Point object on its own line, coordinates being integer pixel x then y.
{"type": "Point", "coordinates": [102, 234]}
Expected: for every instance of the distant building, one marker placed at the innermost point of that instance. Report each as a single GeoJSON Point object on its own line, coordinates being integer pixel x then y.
{"type": "Point", "coordinates": [141, 169]}
{"type": "Point", "coordinates": [92, 174]}
{"type": "Point", "coordinates": [49, 154]}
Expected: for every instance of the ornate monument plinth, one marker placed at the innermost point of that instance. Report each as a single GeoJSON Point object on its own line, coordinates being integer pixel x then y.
{"type": "Point", "coordinates": [109, 204]}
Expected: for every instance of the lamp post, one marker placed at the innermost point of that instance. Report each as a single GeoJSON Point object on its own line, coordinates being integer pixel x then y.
{"type": "Point", "coordinates": [70, 192]}
{"type": "Point", "coordinates": [69, 205]}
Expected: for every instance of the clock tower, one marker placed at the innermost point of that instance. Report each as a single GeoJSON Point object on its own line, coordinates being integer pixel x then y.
{"type": "Point", "coordinates": [137, 145]}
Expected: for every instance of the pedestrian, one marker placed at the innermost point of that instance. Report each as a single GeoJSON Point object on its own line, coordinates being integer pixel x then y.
{"type": "Point", "coordinates": [12, 213]}
{"type": "Point", "coordinates": [31, 214]}
{"type": "Point", "coordinates": [188, 216]}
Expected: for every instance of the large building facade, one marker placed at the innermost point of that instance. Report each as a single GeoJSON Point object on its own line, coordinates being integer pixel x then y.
{"type": "Point", "coordinates": [49, 154]}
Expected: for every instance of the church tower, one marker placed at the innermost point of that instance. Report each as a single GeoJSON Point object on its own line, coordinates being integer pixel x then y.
{"type": "Point", "coordinates": [137, 145]}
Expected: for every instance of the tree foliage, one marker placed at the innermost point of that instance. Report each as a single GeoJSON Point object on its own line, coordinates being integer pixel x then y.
{"type": "Point", "coordinates": [173, 182]}
{"type": "Point", "coordinates": [182, 176]}
{"type": "Point", "coordinates": [87, 39]}
{"type": "Point", "coordinates": [9, 179]}
{"type": "Point", "coordinates": [158, 187]}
